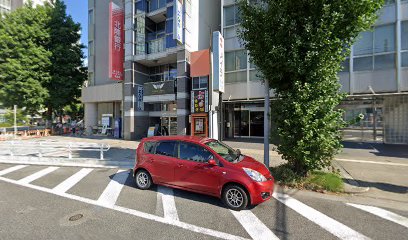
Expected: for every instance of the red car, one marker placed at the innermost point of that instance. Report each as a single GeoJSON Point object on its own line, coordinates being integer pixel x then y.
{"type": "Point", "coordinates": [204, 166]}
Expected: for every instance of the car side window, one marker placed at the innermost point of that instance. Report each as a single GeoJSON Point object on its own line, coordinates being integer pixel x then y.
{"type": "Point", "coordinates": [194, 152]}
{"type": "Point", "coordinates": [149, 147]}
{"type": "Point", "coordinates": [166, 148]}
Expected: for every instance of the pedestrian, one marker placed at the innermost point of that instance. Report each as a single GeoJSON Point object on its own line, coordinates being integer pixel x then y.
{"type": "Point", "coordinates": [73, 126]}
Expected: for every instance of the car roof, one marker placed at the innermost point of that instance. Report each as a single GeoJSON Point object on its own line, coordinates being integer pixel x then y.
{"type": "Point", "coordinates": [179, 138]}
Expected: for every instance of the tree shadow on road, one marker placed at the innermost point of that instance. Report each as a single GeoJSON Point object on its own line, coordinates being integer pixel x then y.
{"type": "Point", "coordinates": [379, 185]}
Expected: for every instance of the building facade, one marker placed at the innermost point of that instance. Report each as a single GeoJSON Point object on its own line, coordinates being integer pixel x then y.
{"type": "Point", "coordinates": [10, 5]}
{"type": "Point", "coordinates": [375, 77]}
{"type": "Point", "coordinates": [160, 36]}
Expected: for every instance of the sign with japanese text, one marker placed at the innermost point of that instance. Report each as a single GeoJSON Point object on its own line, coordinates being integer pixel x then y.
{"type": "Point", "coordinates": [116, 40]}
{"type": "Point", "coordinates": [139, 98]}
{"type": "Point", "coordinates": [199, 101]}
{"type": "Point", "coordinates": [218, 62]}
{"type": "Point", "coordinates": [178, 22]}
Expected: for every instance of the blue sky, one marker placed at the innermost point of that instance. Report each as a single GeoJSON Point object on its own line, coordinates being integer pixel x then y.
{"type": "Point", "coordinates": [78, 9]}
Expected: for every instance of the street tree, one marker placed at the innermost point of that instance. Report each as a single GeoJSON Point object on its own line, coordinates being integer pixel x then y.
{"type": "Point", "coordinates": [298, 47]}
{"type": "Point", "coordinates": [24, 58]}
{"type": "Point", "coordinates": [67, 71]}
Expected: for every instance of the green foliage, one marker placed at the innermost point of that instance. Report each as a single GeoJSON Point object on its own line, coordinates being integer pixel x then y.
{"type": "Point", "coordinates": [316, 180]}
{"type": "Point", "coordinates": [21, 117]}
{"type": "Point", "coordinates": [24, 59]}
{"type": "Point", "coordinates": [324, 181]}
{"type": "Point", "coordinates": [67, 71]}
{"type": "Point", "coordinates": [40, 58]}
{"type": "Point", "coordinates": [299, 47]}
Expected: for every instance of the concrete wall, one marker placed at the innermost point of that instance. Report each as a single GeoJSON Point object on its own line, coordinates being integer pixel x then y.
{"type": "Point", "coordinates": [102, 93]}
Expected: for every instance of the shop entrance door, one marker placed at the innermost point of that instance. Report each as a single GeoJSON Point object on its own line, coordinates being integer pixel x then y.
{"type": "Point", "coordinates": [169, 125]}
{"type": "Point", "coordinates": [241, 128]}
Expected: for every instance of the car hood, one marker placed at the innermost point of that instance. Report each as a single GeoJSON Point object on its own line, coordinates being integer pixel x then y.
{"type": "Point", "coordinates": [251, 163]}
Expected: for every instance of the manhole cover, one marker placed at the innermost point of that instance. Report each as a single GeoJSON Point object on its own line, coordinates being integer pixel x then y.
{"type": "Point", "coordinates": [76, 217]}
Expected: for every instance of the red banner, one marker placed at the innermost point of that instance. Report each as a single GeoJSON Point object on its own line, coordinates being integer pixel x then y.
{"type": "Point", "coordinates": [116, 40]}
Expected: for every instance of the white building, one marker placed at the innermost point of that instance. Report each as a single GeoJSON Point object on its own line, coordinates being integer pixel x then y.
{"type": "Point", "coordinates": [375, 76]}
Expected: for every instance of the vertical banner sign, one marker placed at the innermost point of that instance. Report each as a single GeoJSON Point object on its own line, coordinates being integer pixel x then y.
{"type": "Point", "coordinates": [139, 98]}
{"type": "Point", "coordinates": [116, 40]}
{"type": "Point", "coordinates": [199, 101]}
{"type": "Point", "coordinates": [178, 22]}
{"type": "Point", "coordinates": [218, 62]}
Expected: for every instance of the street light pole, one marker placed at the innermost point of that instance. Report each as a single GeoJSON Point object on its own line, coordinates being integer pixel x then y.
{"type": "Point", "coordinates": [266, 125]}
{"type": "Point", "coordinates": [15, 121]}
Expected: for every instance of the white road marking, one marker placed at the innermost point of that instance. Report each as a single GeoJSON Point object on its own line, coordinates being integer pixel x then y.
{"type": "Point", "coordinates": [255, 228]}
{"type": "Point", "coordinates": [169, 204]}
{"type": "Point", "coordinates": [38, 174]}
{"type": "Point", "coordinates": [133, 212]}
{"type": "Point", "coordinates": [71, 181]}
{"type": "Point", "coordinates": [11, 169]}
{"type": "Point", "coordinates": [371, 162]}
{"type": "Point", "coordinates": [329, 224]}
{"type": "Point", "coordinates": [390, 216]}
{"type": "Point", "coordinates": [112, 191]}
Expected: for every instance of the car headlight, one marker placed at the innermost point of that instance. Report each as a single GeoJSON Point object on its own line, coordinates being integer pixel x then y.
{"type": "Point", "coordinates": [255, 175]}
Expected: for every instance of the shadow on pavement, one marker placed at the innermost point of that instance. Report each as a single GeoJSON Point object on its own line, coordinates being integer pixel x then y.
{"type": "Point", "coordinates": [381, 186]}
{"type": "Point", "coordinates": [379, 149]}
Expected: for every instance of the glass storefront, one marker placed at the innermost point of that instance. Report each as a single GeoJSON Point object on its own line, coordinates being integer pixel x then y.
{"type": "Point", "coordinates": [245, 119]}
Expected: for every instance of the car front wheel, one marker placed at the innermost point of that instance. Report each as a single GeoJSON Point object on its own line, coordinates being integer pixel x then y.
{"type": "Point", "coordinates": [143, 179]}
{"type": "Point", "coordinates": [235, 197]}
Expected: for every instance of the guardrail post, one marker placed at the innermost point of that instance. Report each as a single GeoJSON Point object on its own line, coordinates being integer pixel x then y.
{"type": "Point", "coordinates": [69, 151]}
{"type": "Point", "coordinates": [101, 157]}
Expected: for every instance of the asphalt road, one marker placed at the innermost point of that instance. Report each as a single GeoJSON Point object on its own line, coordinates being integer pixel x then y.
{"type": "Point", "coordinates": [37, 202]}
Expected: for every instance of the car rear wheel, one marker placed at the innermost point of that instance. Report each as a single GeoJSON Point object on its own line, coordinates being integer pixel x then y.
{"type": "Point", "coordinates": [235, 197]}
{"type": "Point", "coordinates": [143, 179]}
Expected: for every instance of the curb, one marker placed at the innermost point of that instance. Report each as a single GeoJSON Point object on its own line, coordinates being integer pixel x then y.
{"type": "Point", "coordinates": [350, 185]}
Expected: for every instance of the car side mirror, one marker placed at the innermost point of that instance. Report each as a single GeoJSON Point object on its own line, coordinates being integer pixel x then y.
{"type": "Point", "coordinates": [212, 162]}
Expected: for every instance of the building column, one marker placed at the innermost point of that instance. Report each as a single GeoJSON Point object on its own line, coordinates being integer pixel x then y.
{"type": "Point", "coordinates": [135, 118]}
{"type": "Point", "coordinates": [90, 116]}
{"type": "Point", "coordinates": [183, 92]}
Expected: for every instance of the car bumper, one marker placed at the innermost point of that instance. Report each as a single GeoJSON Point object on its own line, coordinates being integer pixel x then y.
{"type": "Point", "coordinates": [261, 191]}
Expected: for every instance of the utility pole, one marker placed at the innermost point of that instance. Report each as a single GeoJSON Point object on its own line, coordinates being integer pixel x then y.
{"type": "Point", "coordinates": [266, 125]}
{"type": "Point", "coordinates": [15, 121]}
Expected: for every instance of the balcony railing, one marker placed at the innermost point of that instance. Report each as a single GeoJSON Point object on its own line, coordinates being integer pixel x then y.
{"type": "Point", "coordinates": [156, 46]}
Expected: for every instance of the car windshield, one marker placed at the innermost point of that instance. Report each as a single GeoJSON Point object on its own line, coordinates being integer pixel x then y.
{"type": "Point", "coordinates": [223, 150]}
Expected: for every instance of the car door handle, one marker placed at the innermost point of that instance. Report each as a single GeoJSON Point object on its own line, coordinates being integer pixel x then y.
{"type": "Point", "coordinates": [180, 165]}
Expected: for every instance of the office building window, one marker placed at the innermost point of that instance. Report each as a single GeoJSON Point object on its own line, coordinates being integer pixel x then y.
{"type": "Point", "coordinates": [384, 39]}
{"type": "Point", "coordinates": [364, 44]}
{"type": "Point", "coordinates": [255, 75]}
{"type": "Point", "coordinates": [375, 50]}
{"type": "Point", "coordinates": [90, 17]}
{"type": "Point", "coordinates": [363, 64]}
{"type": "Point", "coordinates": [404, 59]}
{"type": "Point", "coordinates": [404, 35]}
{"type": "Point", "coordinates": [200, 82]}
{"type": "Point", "coordinates": [345, 65]}
{"type": "Point", "coordinates": [235, 60]}
{"type": "Point", "coordinates": [90, 48]}
{"type": "Point", "coordinates": [236, 77]}
{"type": "Point", "coordinates": [231, 15]}
{"type": "Point", "coordinates": [385, 61]}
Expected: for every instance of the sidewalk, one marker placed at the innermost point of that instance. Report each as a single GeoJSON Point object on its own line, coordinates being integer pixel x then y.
{"type": "Point", "coordinates": [376, 170]}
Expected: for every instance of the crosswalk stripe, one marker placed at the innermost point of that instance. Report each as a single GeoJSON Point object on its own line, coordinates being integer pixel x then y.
{"type": "Point", "coordinates": [255, 228]}
{"type": "Point", "coordinates": [73, 180]}
{"type": "Point", "coordinates": [390, 216]}
{"type": "Point", "coordinates": [112, 191]}
{"type": "Point", "coordinates": [329, 224]}
{"type": "Point", "coordinates": [183, 225]}
{"type": "Point", "coordinates": [11, 169]}
{"type": "Point", "coordinates": [169, 204]}
{"type": "Point", "coordinates": [38, 174]}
